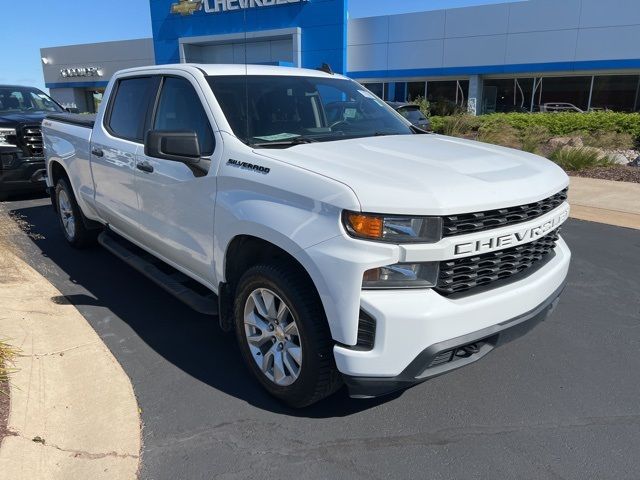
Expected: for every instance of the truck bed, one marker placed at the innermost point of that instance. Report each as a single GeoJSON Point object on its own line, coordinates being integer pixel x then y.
{"type": "Point", "coordinates": [74, 119]}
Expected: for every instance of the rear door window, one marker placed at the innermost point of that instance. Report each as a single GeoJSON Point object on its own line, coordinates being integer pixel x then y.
{"type": "Point", "coordinates": [131, 105]}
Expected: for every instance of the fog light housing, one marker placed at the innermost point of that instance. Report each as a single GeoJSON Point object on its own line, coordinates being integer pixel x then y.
{"type": "Point", "coordinates": [6, 160]}
{"type": "Point", "coordinates": [402, 275]}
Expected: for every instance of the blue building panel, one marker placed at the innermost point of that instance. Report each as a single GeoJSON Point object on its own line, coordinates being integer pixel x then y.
{"type": "Point", "coordinates": [323, 25]}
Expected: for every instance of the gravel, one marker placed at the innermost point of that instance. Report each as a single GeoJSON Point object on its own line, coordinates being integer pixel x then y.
{"type": "Point", "coordinates": [617, 173]}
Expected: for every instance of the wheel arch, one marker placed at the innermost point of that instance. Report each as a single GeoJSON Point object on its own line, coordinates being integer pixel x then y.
{"type": "Point", "coordinates": [56, 172]}
{"type": "Point", "coordinates": [246, 250]}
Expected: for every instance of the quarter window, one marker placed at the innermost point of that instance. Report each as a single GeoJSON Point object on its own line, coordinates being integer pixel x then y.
{"type": "Point", "coordinates": [180, 109]}
{"type": "Point", "coordinates": [131, 104]}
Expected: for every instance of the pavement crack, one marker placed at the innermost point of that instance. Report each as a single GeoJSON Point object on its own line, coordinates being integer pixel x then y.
{"type": "Point", "coordinates": [74, 452]}
{"type": "Point", "coordinates": [59, 352]}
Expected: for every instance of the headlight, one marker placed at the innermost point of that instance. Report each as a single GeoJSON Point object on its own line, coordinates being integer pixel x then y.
{"type": "Point", "coordinates": [7, 137]}
{"type": "Point", "coordinates": [402, 275]}
{"type": "Point", "coordinates": [393, 229]}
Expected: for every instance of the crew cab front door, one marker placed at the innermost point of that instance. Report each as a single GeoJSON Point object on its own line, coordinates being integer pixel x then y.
{"type": "Point", "coordinates": [176, 202]}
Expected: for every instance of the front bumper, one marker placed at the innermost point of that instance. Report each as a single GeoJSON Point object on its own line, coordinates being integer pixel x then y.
{"type": "Point", "coordinates": [449, 355]}
{"type": "Point", "coordinates": [24, 174]}
{"type": "Point", "coordinates": [413, 328]}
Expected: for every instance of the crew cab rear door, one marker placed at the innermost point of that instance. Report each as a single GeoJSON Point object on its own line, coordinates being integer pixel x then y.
{"type": "Point", "coordinates": [115, 142]}
{"type": "Point", "coordinates": [176, 201]}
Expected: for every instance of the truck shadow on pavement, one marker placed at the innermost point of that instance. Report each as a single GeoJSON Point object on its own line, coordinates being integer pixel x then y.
{"type": "Point", "coordinates": [108, 293]}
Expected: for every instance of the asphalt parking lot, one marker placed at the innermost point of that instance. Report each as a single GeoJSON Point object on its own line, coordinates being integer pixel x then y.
{"type": "Point", "coordinates": [559, 403]}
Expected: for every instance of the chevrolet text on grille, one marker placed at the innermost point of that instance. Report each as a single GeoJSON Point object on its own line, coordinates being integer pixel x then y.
{"type": "Point", "coordinates": [511, 239]}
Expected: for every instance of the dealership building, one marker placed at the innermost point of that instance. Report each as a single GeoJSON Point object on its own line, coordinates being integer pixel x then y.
{"type": "Point", "coordinates": [512, 56]}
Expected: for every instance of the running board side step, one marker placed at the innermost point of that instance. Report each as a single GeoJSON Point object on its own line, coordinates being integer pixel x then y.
{"type": "Point", "coordinates": [191, 292]}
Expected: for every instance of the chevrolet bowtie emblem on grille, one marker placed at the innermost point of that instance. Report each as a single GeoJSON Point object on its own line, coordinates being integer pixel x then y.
{"type": "Point", "coordinates": [186, 7]}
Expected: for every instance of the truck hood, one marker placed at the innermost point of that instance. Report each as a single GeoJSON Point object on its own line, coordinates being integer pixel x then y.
{"type": "Point", "coordinates": [11, 119]}
{"type": "Point", "coordinates": [428, 174]}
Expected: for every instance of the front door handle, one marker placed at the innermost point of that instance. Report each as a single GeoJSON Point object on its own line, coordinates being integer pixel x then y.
{"type": "Point", "coordinates": [97, 152]}
{"type": "Point", "coordinates": [145, 167]}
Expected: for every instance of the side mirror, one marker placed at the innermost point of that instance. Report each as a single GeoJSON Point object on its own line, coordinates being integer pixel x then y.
{"type": "Point", "coordinates": [176, 146]}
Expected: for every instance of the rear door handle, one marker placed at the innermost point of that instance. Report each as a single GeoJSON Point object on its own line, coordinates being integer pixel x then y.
{"type": "Point", "coordinates": [97, 152]}
{"type": "Point", "coordinates": [145, 167]}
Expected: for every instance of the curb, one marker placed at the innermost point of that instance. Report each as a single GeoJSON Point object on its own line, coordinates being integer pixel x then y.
{"type": "Point", "coordinates": [73, 410]}
{"type": "Point", "coordinates": [605, 201]}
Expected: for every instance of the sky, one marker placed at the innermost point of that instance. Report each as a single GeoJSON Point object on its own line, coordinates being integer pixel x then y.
{"type": "Point", "coordinates": [30, 25]}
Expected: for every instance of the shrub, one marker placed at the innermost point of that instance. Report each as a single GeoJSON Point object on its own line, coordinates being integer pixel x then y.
{"type": "Point", "coordinates": [425, 106]}
{"type": "Point", "coordinates": [576, 159]}
{"type": "Point", "coordinates": [458, 125]}
{"type": "Point", "coordinates": [608, 140]}
{"type": "Point", "coordinates": [499, 133]}
{"type": "Point", "coordinates": [562, 124]}
{"type": "Point", "coordinates": [533, 138]}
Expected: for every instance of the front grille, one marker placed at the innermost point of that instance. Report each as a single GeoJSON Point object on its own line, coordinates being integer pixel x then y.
{"type": "Point", "coordinates": [480, 221]}
{"type": "Point", "coordinates": [464, 274]}
{"type": "Point", "coordinates": [31, 140]}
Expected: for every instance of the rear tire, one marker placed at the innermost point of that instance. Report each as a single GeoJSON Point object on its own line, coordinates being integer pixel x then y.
{"type": "Point", "coordinates": [71, 218]}
{"type": "Point", "coordinates": [284, 336]}
{"type": "Point", "coordinates": [3, 196]}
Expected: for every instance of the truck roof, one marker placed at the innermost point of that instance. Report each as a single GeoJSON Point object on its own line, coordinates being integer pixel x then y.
{"type": "Point", "coordinates": [237, 69]}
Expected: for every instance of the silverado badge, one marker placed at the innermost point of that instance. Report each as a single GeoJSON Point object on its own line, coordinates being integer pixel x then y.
{"type": "Point", "coordinates": [186, 7]}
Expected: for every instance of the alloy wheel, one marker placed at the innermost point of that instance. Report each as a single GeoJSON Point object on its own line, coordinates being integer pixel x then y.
{"type": "Point", "coordinates": [273, 337]}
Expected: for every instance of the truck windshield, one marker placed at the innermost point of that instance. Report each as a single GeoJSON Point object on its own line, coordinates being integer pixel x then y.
{"type": "Point", "coordinates": [20, 99]}
{"type": "Point", "coordinates": [266, 111]}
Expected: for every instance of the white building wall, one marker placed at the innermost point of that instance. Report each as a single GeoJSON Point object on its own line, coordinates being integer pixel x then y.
{"type": "Point", "coordinates": [496, 36]}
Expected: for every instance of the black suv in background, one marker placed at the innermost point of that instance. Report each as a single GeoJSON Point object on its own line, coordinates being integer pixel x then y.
{"type": "Point", "coordinates": [22, 110]}
{"type": "Point", "coordinates": [412, 112]}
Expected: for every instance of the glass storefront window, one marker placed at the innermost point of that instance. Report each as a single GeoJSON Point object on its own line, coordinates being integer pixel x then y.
{"type": "Point", "coordinates": [564, 90]}
{"type": "Point", "coordinates": [396, 92]}
{"type": "Point", "coordinates": [447, 97]}
{"type": "Point", "coordinates": [376, 88]}
{"type": "Point", "coordinates": [615, 92]}
{"type": "Point", "coordinates": [416, 90]}
{"type": "Point", "coordinates": [507, 95]}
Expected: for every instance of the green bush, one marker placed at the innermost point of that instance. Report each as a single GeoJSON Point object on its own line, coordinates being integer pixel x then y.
{"type": "Point", "coordinates": [532, 139]}
{"type": "Point", "coordinates": [608, 140]}
{"type": "Point", "coordinates": [560, 124]}
{"type": "Point", "coordinates": [425, 106]}
{"type": "Point", "coordinates": [459, 125]}
{"type": "Point", "coordinates": [499, 133]}
{"type": "Point", "coordinates": [576, 159]}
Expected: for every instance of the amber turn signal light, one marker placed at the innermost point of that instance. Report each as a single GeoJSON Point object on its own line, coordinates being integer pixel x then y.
{"type": "Point", "coordinates": [366, 226]}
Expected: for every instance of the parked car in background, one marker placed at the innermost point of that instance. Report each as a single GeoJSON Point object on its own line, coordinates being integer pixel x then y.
{"type": "Point", "coordinates": [412, 112]}
{"type": "Point", "coordinates": [22, 110]}
{"type": "Point", "coordinates": [560, 107]}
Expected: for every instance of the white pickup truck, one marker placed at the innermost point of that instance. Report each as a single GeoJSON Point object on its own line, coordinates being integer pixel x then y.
{"type": "Point", "coordinates": [341, 244]}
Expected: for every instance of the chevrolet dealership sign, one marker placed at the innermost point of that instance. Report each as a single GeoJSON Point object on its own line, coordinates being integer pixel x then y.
{"type": "Point", "coordinates": [189, 7]}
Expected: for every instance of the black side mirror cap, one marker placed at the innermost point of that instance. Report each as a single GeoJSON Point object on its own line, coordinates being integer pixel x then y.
{"type": "Point", "coordinates": [177, 146]}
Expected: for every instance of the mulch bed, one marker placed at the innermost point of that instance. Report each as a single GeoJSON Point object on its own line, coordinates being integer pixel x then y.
{"type": "Point", "coordinates": [4, 409]}
{"type": "Point", "coordinates": [618, 173]}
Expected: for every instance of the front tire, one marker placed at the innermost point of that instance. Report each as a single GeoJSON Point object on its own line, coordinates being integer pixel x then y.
{"type": "Point", "coordinates": [284, 336]}
{"type": "Point", "coordinates": [71, 218]}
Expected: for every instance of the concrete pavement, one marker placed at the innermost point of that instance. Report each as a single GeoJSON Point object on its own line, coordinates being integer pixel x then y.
{"type": "Point", "coordinates": [604, 201]}
{"type": "Point", "coordinates": [73, 410]}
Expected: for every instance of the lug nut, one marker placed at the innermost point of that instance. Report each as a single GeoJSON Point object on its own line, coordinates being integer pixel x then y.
{"type": "Point", "coordinates": [280, 346]}
{"type": "Point", "coordinates": [271, 328]}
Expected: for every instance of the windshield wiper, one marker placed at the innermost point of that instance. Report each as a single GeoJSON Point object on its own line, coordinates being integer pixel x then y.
{"type": "Point", "coordinates": [284, 143]}
{"type": "Point", "coordinates": [385, 134]}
